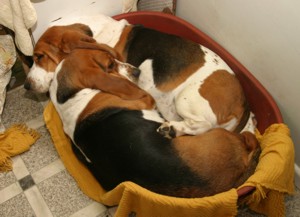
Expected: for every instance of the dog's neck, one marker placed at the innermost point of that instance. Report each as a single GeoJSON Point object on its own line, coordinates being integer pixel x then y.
{"type": "Point", "coordinates": [70, 110]}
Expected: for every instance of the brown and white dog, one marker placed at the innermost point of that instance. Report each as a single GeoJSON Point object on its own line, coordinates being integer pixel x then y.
{"type": "Point", "coordinates": [194, 89]}
{"type": "Point", "coordinates": [112, 124]}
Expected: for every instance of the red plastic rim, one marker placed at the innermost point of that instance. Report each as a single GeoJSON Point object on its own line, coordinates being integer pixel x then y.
{"type": "Point", "coordinates": [261, 102]}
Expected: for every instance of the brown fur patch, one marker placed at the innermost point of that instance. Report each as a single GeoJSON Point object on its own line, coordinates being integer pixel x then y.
{"type": "Point", "coordinates": [57, 41]}
{"type": "Point", "coordinates": [46, 57]}
{"type": "Point", "coordinates": [225, 96]}
{"type": "Point", "coordinates": [215, 153]}
{"type": "Point", "coordinates": [105, 100]}
{"type": "Point", "coordinates": [182, 75]}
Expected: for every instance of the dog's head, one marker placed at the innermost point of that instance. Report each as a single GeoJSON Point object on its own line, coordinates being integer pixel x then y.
{"type": "Point", "coordinates": [95, 69]}
{"type": "Point", "coordinates": [132, 75]}
{"type": "Point", "coordinates": [52, 47]}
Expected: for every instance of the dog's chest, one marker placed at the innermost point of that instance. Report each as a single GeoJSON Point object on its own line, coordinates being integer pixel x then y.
{"type": "Point", "coordinates": [72, 108]}
{"type": "Point", "coordinates": [164, 100]}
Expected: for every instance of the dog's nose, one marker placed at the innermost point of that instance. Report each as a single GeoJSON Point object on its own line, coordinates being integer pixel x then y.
{"type": "Point", "coordinates": [136, 72]}
{"type": "Point", "coordinates": [27, 85]}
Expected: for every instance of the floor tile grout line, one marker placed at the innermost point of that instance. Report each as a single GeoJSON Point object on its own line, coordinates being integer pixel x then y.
{"type": "Point", "coordinates": [44, 174]}
{"type": "Point", "coordinates": [37, 202]}
{"type": "Point", "coordinates": [19, 168]}
{"type": "Point", "coordinates": [35, 123]}
{"type": "Point", "coordinates": [22, 172]}
{"type": "Point", "coordinates": [19, 171]}
{"type": "Point", "coordinates": [10, 192]}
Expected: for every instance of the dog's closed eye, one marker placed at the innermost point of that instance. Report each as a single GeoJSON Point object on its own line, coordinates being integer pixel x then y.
{"type": "Point", "coordinates": [111, 66]}
{"type": "Point", "coordinates": [39, 57]}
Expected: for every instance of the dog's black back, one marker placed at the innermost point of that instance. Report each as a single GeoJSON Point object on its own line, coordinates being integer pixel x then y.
{"type": "Point", "coordinates": [170, 53]}
{"type": "Point", "coordinates": [123, 146]}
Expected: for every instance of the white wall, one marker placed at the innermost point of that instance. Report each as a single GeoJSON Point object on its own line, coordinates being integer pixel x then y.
{"type": "Point", "coordinates": [265, 37]}
{"type": "Point", "coordinates": [50, 10]}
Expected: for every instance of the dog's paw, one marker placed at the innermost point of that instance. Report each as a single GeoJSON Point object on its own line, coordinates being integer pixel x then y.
{"type": "Point", "coordinates": [167, 130]}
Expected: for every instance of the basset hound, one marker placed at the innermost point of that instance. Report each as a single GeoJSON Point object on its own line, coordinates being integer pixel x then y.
{"type": "Point", "coordinates": [112, 123]}
{"type": "Point", "coordinates": [194, 89]}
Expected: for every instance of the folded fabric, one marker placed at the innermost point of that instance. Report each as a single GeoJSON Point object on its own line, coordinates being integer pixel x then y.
{"type": "Point", "coordinates": [272, 179]}
{"type": "Point", "coordinates": [15, 140]}
{"type": "Point", "coordinates": [274, 175]}
{"type": "Point", "coordinates": [19, 16]}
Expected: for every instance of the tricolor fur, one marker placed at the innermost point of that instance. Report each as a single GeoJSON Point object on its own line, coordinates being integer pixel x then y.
{"type": "Point", "coordinates": [194, 89]}
{"type": "Point", "coordinates": [112, 124]}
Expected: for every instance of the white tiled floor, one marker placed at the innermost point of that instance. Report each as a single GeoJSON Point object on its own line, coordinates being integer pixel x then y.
{"type": "Point", "coordinates": [39, 184]}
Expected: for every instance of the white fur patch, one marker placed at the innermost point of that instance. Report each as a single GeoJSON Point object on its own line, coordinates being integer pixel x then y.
{"type": "Point", "coordinates": [152, 115]}
{"type": "Point", "coordinates": [40, 79]}
{"type": "Point", "coordinates": [110, 32]}
{"type": "Point", "coordinates": [250, 125]}
{"type": "Point", "coordinates": [105, 29]}
{"type": "Point", "coordinates": [124, 69]}
{"type": "Point", "coordinates": [72, 108]}
{"type": "Point", "coordinates": [164, 100]}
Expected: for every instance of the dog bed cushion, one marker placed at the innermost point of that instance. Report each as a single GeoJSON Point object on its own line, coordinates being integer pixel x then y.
{"type": "Point", "coordinates": [273, 178]}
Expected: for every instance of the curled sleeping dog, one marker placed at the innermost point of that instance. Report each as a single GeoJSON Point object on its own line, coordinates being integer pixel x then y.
{"type": "Point", "coordinates": [185, 107]}
{"type": "Point", "coordinates": [114, 131]}
{"type": "Point", "coordinates": [194, 89]}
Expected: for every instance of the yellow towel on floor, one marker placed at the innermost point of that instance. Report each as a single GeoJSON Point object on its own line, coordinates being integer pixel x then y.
{"type": "Point", "coordinates": [14, 141]}
{"type": "Point", "coordinates": [273, 178]}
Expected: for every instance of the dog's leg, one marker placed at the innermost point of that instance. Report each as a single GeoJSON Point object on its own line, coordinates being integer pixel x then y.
{"type": "Point", "coordinates": [187, 126]}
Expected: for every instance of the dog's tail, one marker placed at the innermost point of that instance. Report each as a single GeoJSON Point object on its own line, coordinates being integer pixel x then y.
{"type": "Point", "coordinates": [254, 150]}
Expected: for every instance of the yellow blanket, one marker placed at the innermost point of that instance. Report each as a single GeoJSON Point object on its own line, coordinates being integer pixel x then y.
{"type": "Point", "coordinates": [15, 140]}
{"type": "Point", "coordinates": [273, 178]}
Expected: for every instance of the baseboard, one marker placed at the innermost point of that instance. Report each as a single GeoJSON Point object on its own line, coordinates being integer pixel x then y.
{"type": "Point", "coordinates": [297, 176]}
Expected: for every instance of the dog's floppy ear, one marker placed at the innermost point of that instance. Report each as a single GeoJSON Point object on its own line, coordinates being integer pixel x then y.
{"type": "Point", "coordinates": [73, 39]}
{"type": "Point", "coordinates": [115, 85]}
{"type": "Point", "coordinates": [250, 141]}
{"type": "Point", "coordinates": [108, 49]}
{"type": "Point", "coordinates": [111, 83]}
{"type": "Point", "coordinates": [65, 87]}
{"type": "Point", "coordinates": [118, 86]}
